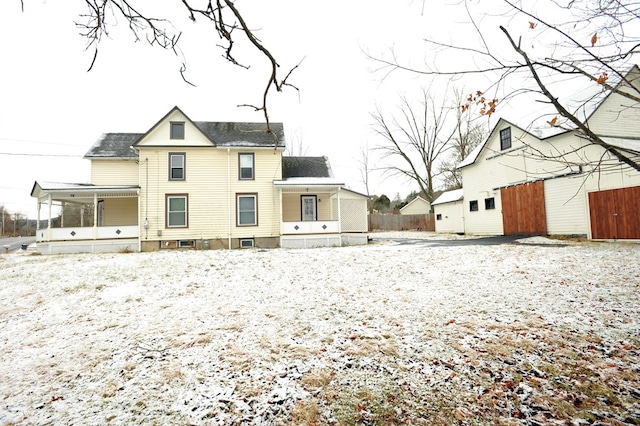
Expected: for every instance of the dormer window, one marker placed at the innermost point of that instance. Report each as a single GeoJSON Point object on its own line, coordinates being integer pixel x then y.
{"type": "Point", "coordinates": [177, 130]}
{"type": "Point", "coordinates": [505, 138]}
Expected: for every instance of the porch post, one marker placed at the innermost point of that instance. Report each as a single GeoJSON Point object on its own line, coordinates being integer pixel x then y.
{"type": "Point", "coordinates": [62, 215]}
{"type": "Point", "coordinates": [81, 215]}
{"type": "Point", "coordinates": [49, 200]}
{"type": "Point", "coordinates": [281, 213]}
{"type": "Point", "coordinates": [37, 214]}
{"type": "Point", "coordinates": [339, 217]}
{"type": "Point", "coordinates": [95, 215]}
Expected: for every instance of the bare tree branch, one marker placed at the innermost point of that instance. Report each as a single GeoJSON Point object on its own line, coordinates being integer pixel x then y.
{"type": "Point", "coordinates": [95, 23]}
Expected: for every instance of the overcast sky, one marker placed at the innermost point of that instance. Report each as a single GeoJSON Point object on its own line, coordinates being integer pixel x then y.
{"type": "Point", "coordinates": [52, 110]}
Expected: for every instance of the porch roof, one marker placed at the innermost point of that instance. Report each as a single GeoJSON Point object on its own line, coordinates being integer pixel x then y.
{"type": "Point", "coordinates": [81, 192]}
{"type": "Point", "coordinates": [306, 184]}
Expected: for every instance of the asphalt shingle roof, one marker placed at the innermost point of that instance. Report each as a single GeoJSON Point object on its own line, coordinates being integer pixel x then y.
{"type": "Point", "coordinates": [242, 134]}
{"type": "Point", "coordinates": [223, 134]}
{"type": "Point", "coordinates": [114, 145]}
{"type": "Point", "coordinates": [306, 167]}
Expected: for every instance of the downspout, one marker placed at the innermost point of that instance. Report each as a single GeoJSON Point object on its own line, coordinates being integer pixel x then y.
{"type": "Point", "coordinates": [145, 224]}
{"type": "Point", "coordinates": [229, 196]}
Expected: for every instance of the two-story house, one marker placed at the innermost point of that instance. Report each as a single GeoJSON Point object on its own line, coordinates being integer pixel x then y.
{"type": "Point", "coordinates": [197, 184]}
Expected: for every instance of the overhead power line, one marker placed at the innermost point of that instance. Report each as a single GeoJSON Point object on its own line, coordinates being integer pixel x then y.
{"type": "Point", "coordinates": [30, 154]}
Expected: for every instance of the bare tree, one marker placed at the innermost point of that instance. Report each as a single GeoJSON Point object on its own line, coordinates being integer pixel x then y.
{"type": "Point", "coordinates": [365, 166]}
{"type": "Point", "coordinates": [469, 133]}
{"type": "Point", "coordinates": [295, 145]}
{"type": "Point", "coordinates": [223, 15]}
{"type": "Point", "coordinates": [551, 44]}
{"type": "Point", "coordinates": [415, 142]}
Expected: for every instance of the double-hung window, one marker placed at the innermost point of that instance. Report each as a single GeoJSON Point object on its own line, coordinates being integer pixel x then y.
{"type": "Point", "coordinates": [246, 162]}
{"type": "Point", "coordinates": [177, 205]}
{"type": "Point", "coordinates": [247, 207]}
{"type": "Point", "coordinates": [505, 138]}
{"type": "Point", "coordinates": [177, 162]}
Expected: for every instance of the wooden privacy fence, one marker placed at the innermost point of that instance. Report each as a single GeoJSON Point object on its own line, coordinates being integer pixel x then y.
{"type": "Point", "coordinates": [398, 222]}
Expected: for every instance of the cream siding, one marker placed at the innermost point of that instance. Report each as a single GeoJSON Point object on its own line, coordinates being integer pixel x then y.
{"type": "Point", "coordinates": [211, 195]}
{"type": "Point", "coordinates": [160, 134]}
{"type": "Point", "coordinates": [120, 211]}
{"type": "Point", "coordinates": [292, 206]}
{"type": "Point", "coordinates": [416, 206]}
{"type": "Point", "coordinates": [114, 172]}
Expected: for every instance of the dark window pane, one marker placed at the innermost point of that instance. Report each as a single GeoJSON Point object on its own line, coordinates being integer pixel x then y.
{"type": "Point", "coordinates": [177, 130]}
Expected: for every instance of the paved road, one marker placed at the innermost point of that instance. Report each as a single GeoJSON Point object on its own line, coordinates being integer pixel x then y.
{"type": "Point", "coordinates": [482, 241]}
{"type": "Point", "coordinates": [15, 243]}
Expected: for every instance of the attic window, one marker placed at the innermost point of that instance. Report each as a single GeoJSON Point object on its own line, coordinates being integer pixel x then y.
{"type": "Point", "coordinates": [505, 138]}
{"type": "Point", "coordinates": [177, 130]}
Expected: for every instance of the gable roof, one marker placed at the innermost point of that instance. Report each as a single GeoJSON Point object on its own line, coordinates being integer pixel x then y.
{"type": "Point", "coordinates": [416, 200]}
{"type": "Point", "coordinates": [473, 155]}
{"type": "Point", "coordinates": [114, 145]}
{"type": "Point", "coordinates": [448, 197]}
{"type": "Point", "coordinates": [231, 134]}
{"type": "Point", "coordinates": [240, 134]}
{"type": "Point", "coordinates": [305, 167]}
{"type": "Point", "coordinates": [220, 133]}
{"type": "Point", "coordinates": [628, 144]}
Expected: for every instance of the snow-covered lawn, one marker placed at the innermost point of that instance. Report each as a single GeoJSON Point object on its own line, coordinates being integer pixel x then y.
{"type": "Point", "coordinates": [377, 334]}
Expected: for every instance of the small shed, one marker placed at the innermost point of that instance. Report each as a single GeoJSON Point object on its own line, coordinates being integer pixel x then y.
{"type": "Point", "coordinates": [416, 206]}
{"type": "Point", "coordinates": [449, 211]}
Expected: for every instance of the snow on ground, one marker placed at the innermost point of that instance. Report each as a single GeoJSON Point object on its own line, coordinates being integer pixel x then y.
{"type": "Point", "coordinates": [378, 334]}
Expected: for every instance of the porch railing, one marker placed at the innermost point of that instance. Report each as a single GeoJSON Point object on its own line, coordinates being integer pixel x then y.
{"type": "Point", "coordinates": [308, 227]}
{"type": "Point", "coordinates": [77, 233]}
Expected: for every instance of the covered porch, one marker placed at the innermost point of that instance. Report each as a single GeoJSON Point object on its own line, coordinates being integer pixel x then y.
{"type": "Point", "coordinates": [314, 213]}
{"type": "Point", "coordinates": [75, 218]}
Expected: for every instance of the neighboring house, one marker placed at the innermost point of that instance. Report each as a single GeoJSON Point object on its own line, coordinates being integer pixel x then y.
{"type": "Point", "coordinates": [449, 213]}
{"type": "Point", "coordinates": [512, 184]}
{"type": "Point", "coordinates": [194, 184]}
{"type": "Point", "coordinates": [416, 206]}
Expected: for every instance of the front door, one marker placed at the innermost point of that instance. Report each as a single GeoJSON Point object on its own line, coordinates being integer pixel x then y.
{"type": "Point", "coordinates": [309, 212]}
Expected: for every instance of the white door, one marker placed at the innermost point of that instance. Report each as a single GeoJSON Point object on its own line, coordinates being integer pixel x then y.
{"type": "Point", "coordinates": [309, 207]}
